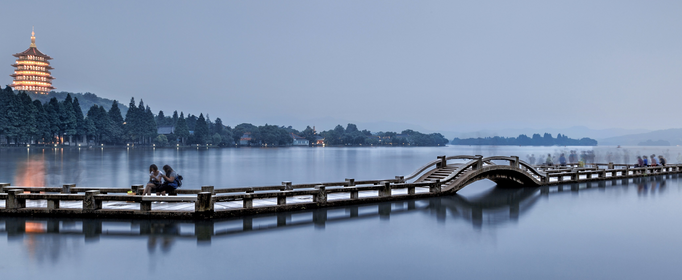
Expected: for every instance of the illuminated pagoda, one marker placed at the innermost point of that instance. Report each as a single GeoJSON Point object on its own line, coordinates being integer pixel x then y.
{"type": "Point", "coordinates": [32, 71]}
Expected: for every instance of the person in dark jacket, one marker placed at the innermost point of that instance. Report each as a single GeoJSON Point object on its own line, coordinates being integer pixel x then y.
{"type": "Point", "coordinates": [169, 181]}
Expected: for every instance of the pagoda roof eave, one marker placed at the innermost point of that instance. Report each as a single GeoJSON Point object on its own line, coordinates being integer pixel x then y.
{"type": "Point", "coordinates": [33, 51]}
{"type": "Point", "coordinates": [46, 77]}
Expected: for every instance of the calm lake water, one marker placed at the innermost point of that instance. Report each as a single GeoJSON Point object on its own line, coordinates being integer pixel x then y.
{"type": "Point", "coordinates": [608, 230]}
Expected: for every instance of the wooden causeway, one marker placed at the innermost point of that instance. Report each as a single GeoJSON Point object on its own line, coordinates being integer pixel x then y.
{"type": "Point", "coordinates": [445, 175]}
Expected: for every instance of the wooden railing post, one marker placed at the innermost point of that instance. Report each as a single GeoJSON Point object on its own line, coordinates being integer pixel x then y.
{"type": "Point", "coordinates": [479, 162]}
{"type": "Point", "coordinates": [248, 201]}
{"type": "Point", "coordinates": [3, 186]}
{"type": "Point", "coordinates": [66, 188]}
{"type": "Point", "coordinates": [204, 202]}
{"type": "Point", "coordinates": [610, 166]}
{"type": "Point", "coordinates": [435, 187]}
{"type": "Point", "coordinates": [386, 189]}
{"type": "Point", "coordinates": [321, 196]}
{"type": "Point", "coordinates": [90, 203]}
{"type": "Point", "coordinates": [52, 204]}
{"type": "Point", "coordinates": [400, 179]}
{"type": "Point", "coordinates": [354, 194]}
{"type": "Point", "coordinates": [287, 185]}
{"type": "Point", "coordinates": [514, 162]}
{"type": "Point", "coordinates": [13, 200]}
{"type": "Point", "coordinates": [145, 206]}
{"type": "Point", "coordinates": [282, 199]}
{"type": "Point", "coordinates": [350, 182]}
{"type": "Point", "coordinates": [443, 161]}
{"type": "Point", "coordinates": [210, 189]}
{"type": "Point", "coordinates": [411, 190]}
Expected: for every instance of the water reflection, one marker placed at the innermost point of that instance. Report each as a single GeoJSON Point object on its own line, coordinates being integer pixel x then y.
{"type": "Point", "coordinates": [122, 167]}
{"type": "Point", "coordinates": [47, 239]}
{"type": "Point", "coordinates": [31, 173]}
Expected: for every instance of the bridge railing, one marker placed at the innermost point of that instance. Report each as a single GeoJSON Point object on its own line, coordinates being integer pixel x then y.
{"type": "Point", "coordinates": [436, 163]}
{"type": "Point", "coordinates": [587, 174]}
{"type": "Point", "coordinates": [287, 196]}
{"type": "Point", "coordinates": [205, 201]}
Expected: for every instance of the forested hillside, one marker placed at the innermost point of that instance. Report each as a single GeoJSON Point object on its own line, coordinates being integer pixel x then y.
{"type": "Point", "coordinates": [74, 118]}
{"type": "Point", "coordinates": [86, 100]}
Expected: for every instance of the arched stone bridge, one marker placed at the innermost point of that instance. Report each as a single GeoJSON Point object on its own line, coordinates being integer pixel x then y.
{"type": "Point", "coordinates": [453, 173]}
{"type": "Point", "coordinates": [503, 170]}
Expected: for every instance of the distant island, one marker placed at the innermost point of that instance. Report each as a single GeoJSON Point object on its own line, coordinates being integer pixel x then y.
{"type": "Point", "coordinates": [654, 143]}
{"type": "Point", "coordinates": [73, 119]}
{"type": "Point", "coordinates": [523, 140]}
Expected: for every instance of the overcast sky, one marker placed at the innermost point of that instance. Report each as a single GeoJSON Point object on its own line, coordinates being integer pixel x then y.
{"type": "Point", "coordinates": [441, 65]}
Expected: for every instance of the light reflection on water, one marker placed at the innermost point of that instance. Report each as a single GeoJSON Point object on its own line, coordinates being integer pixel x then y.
{"type": "Point", "coordinates": [478, 224]}
{"type": "Point", "coordinates": [232, 167]}
{"type": "Point", "coordinates": [607, 229]}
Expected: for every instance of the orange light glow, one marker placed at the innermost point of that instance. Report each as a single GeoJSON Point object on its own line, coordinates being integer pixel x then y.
{"type": "Point", "coordinates": [31, 173]}
{"type": "Point", "coordinates": [31, 83]}
{"type": "Point", "coordinates": [35, 227]}
{"type": "Point", "coordinates": [32, 73]}
{"type": "Point", "coordinates": [30, 62]}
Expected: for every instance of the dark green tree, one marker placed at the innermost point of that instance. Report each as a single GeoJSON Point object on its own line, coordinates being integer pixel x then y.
{"type": "Point", "coordinates": [161, 119]}
{"type": "Point", "coordinates": [100, 119]}
{"type": "Point", "coordinates": [117, 128]}
{"type": "Point", "coordinates": [175, 118]}
{"type": "Point", "coordinates": [28, 129]}
{"type": "Point", "coordinates": [132, 123]}
{"type": "Point", "coordinates": [80, 120]}
{"type": "Point", "coordinates": [67, 117]}
{"type": "Point", "coordinates": [201, 132]}
{"type": "Point", "coordinates": [181, 130]}
{"type": "Point", "coordinates": [42, 123]}
{"type": "Point", "coordinates": [53, 111]}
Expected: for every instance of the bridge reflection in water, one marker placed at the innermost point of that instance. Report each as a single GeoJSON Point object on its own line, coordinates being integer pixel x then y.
{"type": "Point", "coordinates": [494, 207]}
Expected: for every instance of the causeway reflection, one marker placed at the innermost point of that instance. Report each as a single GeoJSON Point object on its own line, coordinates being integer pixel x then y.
{"type": "Point", "coordinates": [45, 239]}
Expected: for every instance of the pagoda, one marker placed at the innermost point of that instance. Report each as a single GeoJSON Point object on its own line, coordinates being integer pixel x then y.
{"type": "Point", "coordinates": [32, 71]}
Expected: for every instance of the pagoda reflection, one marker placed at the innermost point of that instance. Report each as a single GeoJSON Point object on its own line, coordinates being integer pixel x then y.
{"type": "Point", "coordinates": [31, 173]}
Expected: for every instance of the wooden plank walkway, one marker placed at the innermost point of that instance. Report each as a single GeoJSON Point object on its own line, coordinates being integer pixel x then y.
{"type": "Point", "coordinates": [433, 179]}
{"type": "Point", "coordinates": [490, 210]}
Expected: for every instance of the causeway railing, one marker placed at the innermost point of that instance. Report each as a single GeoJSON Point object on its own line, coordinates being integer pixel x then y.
{"type": "Point", "coordinates": [211, 202]}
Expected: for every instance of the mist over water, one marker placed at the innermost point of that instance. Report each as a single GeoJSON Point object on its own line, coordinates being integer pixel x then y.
{"type": "Point", "coordinates": [622, 229]}
{"type": "Point", "coordinates": [232, 167]}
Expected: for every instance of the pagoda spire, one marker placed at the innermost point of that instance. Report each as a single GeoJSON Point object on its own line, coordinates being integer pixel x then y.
{"type": "Point", "coordinates": [33, 37]}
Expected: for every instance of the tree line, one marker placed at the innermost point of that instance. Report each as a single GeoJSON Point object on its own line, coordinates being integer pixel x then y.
{"type": "Point", "coordinates": [524, 140]}
{"type": "Point", "coordinates": [27, 120]}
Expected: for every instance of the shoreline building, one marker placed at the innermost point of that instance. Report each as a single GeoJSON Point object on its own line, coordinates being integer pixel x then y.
{"type": "Point", "coordinates": [32, 70]}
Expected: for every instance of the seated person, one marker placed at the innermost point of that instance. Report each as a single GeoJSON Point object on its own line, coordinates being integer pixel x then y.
{"type": "Point", "coordinates": [154, 180]}
{"type": "Point", "coordinates": [169, 184]}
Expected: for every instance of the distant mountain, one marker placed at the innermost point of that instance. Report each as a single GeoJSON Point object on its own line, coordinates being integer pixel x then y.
{"type": "Point", "coordinates": [574, 132]}
{"type": "Point", "coordinates": [672, 136]}
{"type": "Point", "coordinates": [86, 100]}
